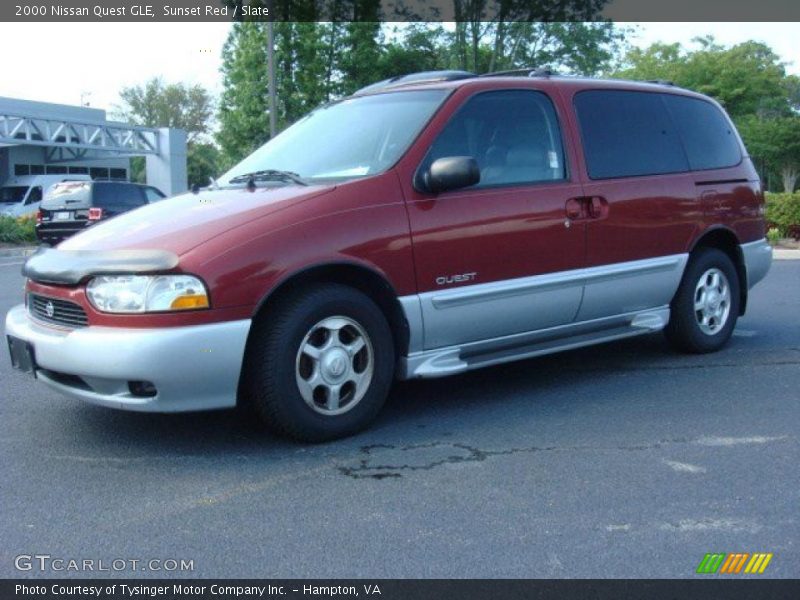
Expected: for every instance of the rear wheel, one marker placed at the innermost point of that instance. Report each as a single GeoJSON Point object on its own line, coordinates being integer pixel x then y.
{"type": "Point", "coordinates": [320, 363]}
{"type": "Point", "coordinates": [706, 306]}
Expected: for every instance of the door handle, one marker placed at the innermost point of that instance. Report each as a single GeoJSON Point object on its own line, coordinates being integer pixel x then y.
{"type": "Point", "coordinates": [575, 209]}
{"type": "Point", "coordinates": [598, 207]}
{"type": "Point", "coordinates": [586, 207]}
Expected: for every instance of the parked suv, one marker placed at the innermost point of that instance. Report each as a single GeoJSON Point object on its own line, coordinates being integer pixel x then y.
{"type": "Point", "coordinates": [22, 195]}
{"type": "Point", "coordinates": [72, 206]}
{"type": "Point", "coordinates": [423, 227]}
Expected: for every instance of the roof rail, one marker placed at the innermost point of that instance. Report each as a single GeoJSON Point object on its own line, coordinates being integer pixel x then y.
{"type": "Point", "coordinates": [661, 82]}
{"type": "Point", "coordinates": [524, 72]}
{"type": "Point", "coordinates": [411, 78]}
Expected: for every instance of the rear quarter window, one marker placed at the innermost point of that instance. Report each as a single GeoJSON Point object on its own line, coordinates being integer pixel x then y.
{"type": "Point", "coordinates": [707, 135]}
{"type": "Point", "coordinates": [153, 195]}
{"type": "Point", "coordinates": [628, 134]}
{"type": "Point", "coordinates": [117, 196]}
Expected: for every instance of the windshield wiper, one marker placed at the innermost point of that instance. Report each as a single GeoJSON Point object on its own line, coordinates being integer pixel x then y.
{"type": "Point", "coordinates": [269, 175]}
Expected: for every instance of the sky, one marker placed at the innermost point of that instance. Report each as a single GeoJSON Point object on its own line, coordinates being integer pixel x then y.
{"type": "Point", "coordinates": [99, 59]}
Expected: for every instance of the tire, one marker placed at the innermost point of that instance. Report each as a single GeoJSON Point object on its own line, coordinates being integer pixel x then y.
{"type": "Point", "coordinates": [347, 346]}
{"type": "Point", "coordinates": [711, 284]}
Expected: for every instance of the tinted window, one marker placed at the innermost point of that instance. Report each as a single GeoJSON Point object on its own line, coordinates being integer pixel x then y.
{"type": "Point", "coordinates": [513, 134]}
{"type": "Point", "coordinates": [12, 193]}
{"type": "Point", "coordinates": [707, 135]}
{"type": "Point", "coordinates": [627, 134]}
{"type": "Point", "coordinates": [34, 196]}
{"type": "Point", "coordinates": [152, 194]}
{"type": "Point", "coordinates": [117, 196]}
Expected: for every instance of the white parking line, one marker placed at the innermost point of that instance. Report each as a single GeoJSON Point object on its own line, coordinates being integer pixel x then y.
{"type": "Point", "coordinates": [11, 264]}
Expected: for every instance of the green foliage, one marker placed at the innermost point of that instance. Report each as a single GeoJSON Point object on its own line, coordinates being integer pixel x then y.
{"type": "Point", "coordinates": [318, 61]}
{"type": "Point", "coordinates": [243, 116]}
{"type": "Point", "coordinates": [17, 230]}
{"type": "Point", "coordinates": [156, 104]}
{"type": "Point", "coordinates": [202, 163]}
{"type": "Point", "coordinates": [774, 144]}
{"type": "Point", "coordinates": [773, 235]}
{"type": "Point", "coordinates": [748, 78]}
{"type": "Point", "coordinates": [159, 104]}
{"type": "Point", "coordinates": [783, 212]}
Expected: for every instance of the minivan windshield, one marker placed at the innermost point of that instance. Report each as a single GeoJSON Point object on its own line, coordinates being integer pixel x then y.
{"type": "Point", "coordinates": [344, 140]}
{"type": "Point", "coordinates": [12, 193]}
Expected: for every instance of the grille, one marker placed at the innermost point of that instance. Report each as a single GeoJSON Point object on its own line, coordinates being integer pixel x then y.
{"type": "Point", "coordinates": [63, 312]}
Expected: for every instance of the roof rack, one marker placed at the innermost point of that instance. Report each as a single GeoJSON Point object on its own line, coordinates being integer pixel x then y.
{"type": "Point", "coordinates": [524, 72]}
{"type": "Point", "coordinates": [412, 78]}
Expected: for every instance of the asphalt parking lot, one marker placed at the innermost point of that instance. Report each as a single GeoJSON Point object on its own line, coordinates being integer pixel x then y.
{"type": "Point", "coordinates": [624, 460]}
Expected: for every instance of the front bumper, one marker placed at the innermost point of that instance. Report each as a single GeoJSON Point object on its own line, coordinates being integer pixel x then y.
{"type": "Point", "coordinates": [192, 368]}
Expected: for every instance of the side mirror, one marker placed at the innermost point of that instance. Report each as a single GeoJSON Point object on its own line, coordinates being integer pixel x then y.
{"type": "Point", "coordinates": [451, 173]}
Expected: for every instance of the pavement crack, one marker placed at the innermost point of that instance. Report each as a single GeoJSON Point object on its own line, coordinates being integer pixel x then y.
{"type": "Point", "coordinates": [445, 453]}
{"type": "Point", "coordinates": [390, 461]}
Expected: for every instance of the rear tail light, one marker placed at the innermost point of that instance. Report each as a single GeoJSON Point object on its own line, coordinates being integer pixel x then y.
{"type": "Point", "coordinates": [38, 217]}
{"type": "Point", "coordinates": [95, 214]}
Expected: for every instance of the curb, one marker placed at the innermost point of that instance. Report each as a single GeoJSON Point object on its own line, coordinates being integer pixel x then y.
{"type": "Point", "coordinates": [785, 254]}
{"type": "Point", "coordinates": [21, 251]}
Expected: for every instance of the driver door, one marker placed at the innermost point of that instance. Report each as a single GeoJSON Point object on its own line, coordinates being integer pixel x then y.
{"type": "Point", "coordinates": [494, 259]}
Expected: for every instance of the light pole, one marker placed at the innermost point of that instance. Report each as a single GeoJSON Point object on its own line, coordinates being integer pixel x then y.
{"type": "Point", "coordinates": [271, 77]}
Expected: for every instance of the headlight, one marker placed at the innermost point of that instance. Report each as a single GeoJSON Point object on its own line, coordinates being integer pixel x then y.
{"type": "Point", "coordinates": [146, 293]}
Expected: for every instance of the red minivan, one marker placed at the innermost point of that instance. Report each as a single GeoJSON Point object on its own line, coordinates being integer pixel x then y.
{"type": "Point", "coordinates": [425, 226]}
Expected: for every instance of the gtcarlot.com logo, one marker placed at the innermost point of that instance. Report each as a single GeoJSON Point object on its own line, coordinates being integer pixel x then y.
{"type": "Point", "coordinates": [47, 562]}
{"type": "Point", "coordinates": [734, 563]}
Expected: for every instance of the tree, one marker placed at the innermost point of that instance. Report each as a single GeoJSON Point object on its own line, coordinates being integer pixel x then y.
{"type": "Point", "coordinates": [306, 59]}
{"type": "Point", "coordinates": [748, 78]}
{"type": "Point", "coordinates": [317, 62]}
{"type": "Point", "coordinates": [489, 34]}
{"type": "Point", "coordinates": [202, 163]}
{"type": "Point", "coordinates": [159, 104]}
{"type": "Point", "coordinates": [243, 109]}
{"type": "Point", "coordinates": [187, 107]}
{"type": "Point", "coordinates": [775, 144]}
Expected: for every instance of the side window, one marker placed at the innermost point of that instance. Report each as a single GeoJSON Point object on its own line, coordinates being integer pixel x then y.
{"type": "Point", "coordinates": [626, 134]}
{"type": "Point", "coordinates": [707, 135]}
{"type": "Point", "coordinates": [153, 195]}
{"type": "Point", "coordinates": [513, 135]}
{"type": "Point", "coordinates": [117, 196]}
{"type": "Point", "coordinates": [34, 196]}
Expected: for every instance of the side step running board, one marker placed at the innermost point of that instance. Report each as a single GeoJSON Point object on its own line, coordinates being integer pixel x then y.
{"type": "Point", "coordinates": [458, 359]}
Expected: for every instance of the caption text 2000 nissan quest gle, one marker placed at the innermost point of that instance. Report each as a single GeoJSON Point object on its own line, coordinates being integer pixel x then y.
{"type": "Point", "coordinates": [425, 226]}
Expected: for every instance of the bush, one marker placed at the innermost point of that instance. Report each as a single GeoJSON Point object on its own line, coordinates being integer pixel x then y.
{"type": "Point", "coordinates": [773, 235]}
{"type": "Point", "coordinates": [17, 231]}
{"type": "Point", "coordinates": [783, 213]}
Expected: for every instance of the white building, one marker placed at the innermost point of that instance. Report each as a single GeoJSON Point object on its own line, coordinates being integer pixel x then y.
{"type": "Point", "coordinates": [38, 138]}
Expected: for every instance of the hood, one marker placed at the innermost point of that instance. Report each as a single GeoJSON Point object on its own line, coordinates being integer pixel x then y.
{"type": "Point", "coordinates": [181, 223]}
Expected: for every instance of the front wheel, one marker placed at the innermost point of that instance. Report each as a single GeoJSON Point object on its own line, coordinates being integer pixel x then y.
{"type": "Point", "coordinates": [320, 364]}
{"type": "Point", "coordinates": [706, 306]}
